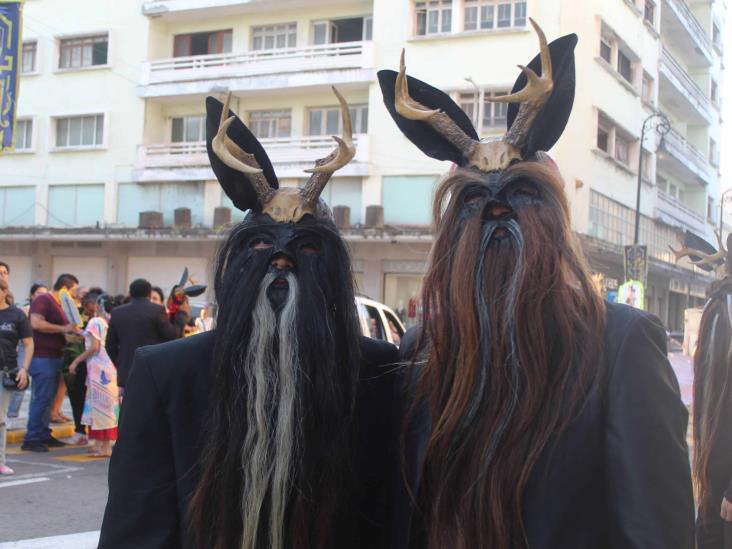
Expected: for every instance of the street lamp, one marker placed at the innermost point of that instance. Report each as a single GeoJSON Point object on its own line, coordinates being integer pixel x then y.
{"type": "Point", "coordinates": [661, 125]}
{"type": "Point", "coordinates": [721, 212]}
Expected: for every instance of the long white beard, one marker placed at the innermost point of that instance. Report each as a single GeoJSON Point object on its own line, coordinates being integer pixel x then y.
{"type": "Point", "coordinates": [270, 445]}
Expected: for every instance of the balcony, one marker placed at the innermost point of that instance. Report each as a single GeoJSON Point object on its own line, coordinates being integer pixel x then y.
{"type": "Point", "coordinates": [684, 161]}
{"type": "Point", "coordinates": [677, 214]}
{"type": "Point", "coordinates": [680, 94]}
{"type": "Point", "coordinates": [187, 10]}
{"type": "Point", "coordinates": [289, 155]}
{"type": "Point", "coordinates": [256, 71]}
{"type": "Point", "coordinates": [680, 26]}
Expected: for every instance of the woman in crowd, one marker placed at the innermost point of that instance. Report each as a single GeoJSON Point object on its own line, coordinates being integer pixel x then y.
{"type": "Point", "coordinates": [157, 296]}
{"type": "Point", "coordinates": [14, 328]}
{"type": "Point", "coordinates": [101, 408]}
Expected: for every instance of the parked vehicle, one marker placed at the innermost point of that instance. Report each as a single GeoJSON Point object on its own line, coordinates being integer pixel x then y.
{"type": "Point", "coordinates": [378, 321]}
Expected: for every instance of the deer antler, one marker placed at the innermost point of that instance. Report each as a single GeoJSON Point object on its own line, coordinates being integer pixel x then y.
{"type": "Point", "coordinates": [237, 159]}
{"type": "Point", "coordinates": [533, 97]}
{"type": "Point", "coordinates": [705, 259]}
{"type": "Point", "coordinates": [342, 155]}
{"type": "Point", "coordinates": [414, 110]}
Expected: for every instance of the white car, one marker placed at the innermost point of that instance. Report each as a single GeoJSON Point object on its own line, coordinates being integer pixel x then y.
{"type": "Point", "coordinates": [378, 321]}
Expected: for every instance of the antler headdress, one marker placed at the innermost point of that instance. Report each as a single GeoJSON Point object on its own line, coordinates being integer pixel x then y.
{"type": "Point", "coordinates": [539, 107]}
{"type": "Point", "coordinates": [235, 152]}
{"type": "Point", "coordinates": [705, 256]}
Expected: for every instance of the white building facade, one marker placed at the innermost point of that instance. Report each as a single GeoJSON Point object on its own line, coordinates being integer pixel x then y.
{"type": "Point", "coordinates": [112, 125]}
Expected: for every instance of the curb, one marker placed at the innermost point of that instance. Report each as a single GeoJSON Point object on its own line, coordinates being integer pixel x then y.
{"type": "Point", "coordinates": [16, 436]}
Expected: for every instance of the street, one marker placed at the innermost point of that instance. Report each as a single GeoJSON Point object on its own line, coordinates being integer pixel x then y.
{"type": "Point", "coordinates": [59, 493]}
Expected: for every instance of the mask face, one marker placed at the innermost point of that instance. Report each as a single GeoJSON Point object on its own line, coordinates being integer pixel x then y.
{"type": "Point", "coordinates": [285, 247]}
{"type": "Point", "coordinates": [497, 198]}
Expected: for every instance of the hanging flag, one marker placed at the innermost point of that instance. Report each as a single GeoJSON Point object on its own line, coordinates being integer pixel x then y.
{"type": "Point", "coordinates": [11, 50]}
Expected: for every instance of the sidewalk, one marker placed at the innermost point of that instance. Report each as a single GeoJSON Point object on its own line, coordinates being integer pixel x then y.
{"type": "Point", "coordinates": [17, 425]}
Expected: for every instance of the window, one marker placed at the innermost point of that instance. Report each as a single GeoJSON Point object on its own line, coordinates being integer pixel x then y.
{"type": "Point", "coordinates": [84, 51]}
{"type": "Point", "coordinates": [649, 12]}
{"type": "Point", "coordinates": [713, 153]}
{"type": "Point", "coordinates": [270, 37]}
{"type": "Point", "coordinates": [80, 131]}
{"type": "Point", "coordinates": [603, 135]}
{"type": "Point", "coordinates": [647, 88]}
{"type": "Point", "coordinates": [24, 134]}
{"type": "Point", "coordinates": [606, 50]}
{"type": "Point", "coordinates": [327, 120]}
{"type": "Point", "coordinates": [494, 114]}
{"type": "Point", "coordinates": [30, 54]}
{"type": "Point", "coordinates": [622, 149]}
{"type": "Point", "coordinates": [433, 16]}
{"type": "Point", "coordinates": [161, 197]}
{"type": "Point", "coordinates": [75, 205]}
{"type": "Point", "coordinates": [352, 29]}
{"type": "Point", "coordinates": [716, 36]}
{"type": "Point", "coordinates": [625, 67]}
{"type": "Point", "coordinates": [188, 129]}
{"type": "Point", "coordinates": [407, 199]}
{"type": "Point", "coordinates": [714, 92]}
{"type": "Point", "coordinates": [488, 14]}
{"type": "Point", "coordinates": [711, 210]}
{"type": "Point", "coordinates": [17, 206]}
{"type": "Point", "coordinates": [662, 184]}
{"type": "Point", "coordinates": [202, 43]}
{"type": "Point", "coordinates": [270, 123]}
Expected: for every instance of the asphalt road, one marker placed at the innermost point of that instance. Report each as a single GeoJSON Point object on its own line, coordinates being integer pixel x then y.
{"type": "Point", "coordinates": [61, 493]}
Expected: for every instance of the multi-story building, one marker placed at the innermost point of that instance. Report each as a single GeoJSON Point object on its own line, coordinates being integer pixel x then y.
{"type": "Point", "coordinates": [112, 125]}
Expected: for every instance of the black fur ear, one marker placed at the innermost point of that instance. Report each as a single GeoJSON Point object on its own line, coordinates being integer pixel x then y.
{"type": "Point", "coordinates": [551, 121]}
{"type": "Point", "coordinates": [695, 242]}
{"type": "Point", "coordinates": [420, 133]}
{"type": "Point", "coordinates": [235, 184]}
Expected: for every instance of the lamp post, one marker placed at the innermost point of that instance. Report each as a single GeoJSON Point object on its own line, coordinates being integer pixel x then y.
{"type": "Point", "coordinates": [661, 125]}
{"type": "Point", "coordinates": [721, 212]}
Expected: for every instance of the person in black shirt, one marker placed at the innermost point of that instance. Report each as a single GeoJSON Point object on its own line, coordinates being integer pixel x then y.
{"type": "Point", "coordinates": [14, 327]}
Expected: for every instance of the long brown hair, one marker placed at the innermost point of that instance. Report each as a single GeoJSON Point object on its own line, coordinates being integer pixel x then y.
{"type": "Point", "coordinates": [512, 334]}
{"type": "Point", "coordinates": [712, 388]}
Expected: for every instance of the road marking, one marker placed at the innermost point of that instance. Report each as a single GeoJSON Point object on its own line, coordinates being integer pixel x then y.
{"type": "Point", "coordinates": [7, 483]}
{"type": "Point", "coordinates": [83, 540]}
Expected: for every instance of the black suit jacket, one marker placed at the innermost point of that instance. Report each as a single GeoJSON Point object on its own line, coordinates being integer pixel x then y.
{"type": "Point", "coordinates": [619, 476]}
{"type": "Point", "coordinates": [133, 325]}
{"type": "Point", "coordinates": [154, 466]}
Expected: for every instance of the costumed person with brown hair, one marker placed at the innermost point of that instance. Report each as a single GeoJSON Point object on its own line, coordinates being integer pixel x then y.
{"type": "Point", "coordinates": [541, 417]}
{"type": "Point", "coordinates": [276, 429]}
{"type": "Point", "coordinates": [713, 396]}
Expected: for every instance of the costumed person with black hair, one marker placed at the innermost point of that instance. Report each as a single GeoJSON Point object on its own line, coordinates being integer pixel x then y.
{"type": "Point", "coordinates": [178, 304]}
{"type": "Point", "coordinates": [713, 395]}
{"type": "Point", "coordinates": [275, 430]}
{"type": "Point", "coordinates": [541, 417]}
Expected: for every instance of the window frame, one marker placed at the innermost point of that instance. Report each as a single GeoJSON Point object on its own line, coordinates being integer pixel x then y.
{"type": "Point", "coordinates": [53, 134]}
{"type": "Point", "coordinates": [271, 30]}
{"type": "Point", "coordinates": [221, 34]}
{"type": "Point", "coordinates": [184, 118]}
{"type": "Point", "coordinates": [89, 35]}
{"type": "Point", "coordinates": [362, 115]}
{"type": "Point", "coordinates": [654, 11]}
{"type": "Point", "coordinates": [35, 70]}
{"type": "Point", "coordinates": [32, 147]}
{"type": "Point", "coordinates": [443, 8]}
{"type": "Point", "coordinates": [259, 115]}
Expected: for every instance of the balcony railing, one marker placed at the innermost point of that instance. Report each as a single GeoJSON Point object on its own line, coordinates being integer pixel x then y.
{"type": "Point", "coordinates": [683, 82]}
{"type": "Point", "coordinates": [688, 155]}
{"type": "Point", "coordinates": [689, 21]}
{"type": "Point", "coordinates": [281, 150]}
{"type": "Point", "coordinates": [255, 63]}
{"type": "Point", "coordinates": [674, 212]}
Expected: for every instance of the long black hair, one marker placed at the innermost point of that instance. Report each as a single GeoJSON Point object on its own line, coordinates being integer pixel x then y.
{"type": "Point", "coordinates": [328, 357]}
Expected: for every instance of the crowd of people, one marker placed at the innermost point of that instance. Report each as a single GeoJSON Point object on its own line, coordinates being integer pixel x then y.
{"type": "Point", "coordinates": [79, 342]}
